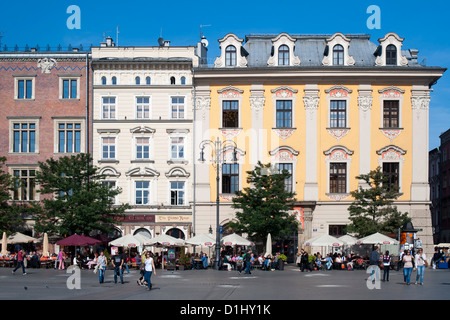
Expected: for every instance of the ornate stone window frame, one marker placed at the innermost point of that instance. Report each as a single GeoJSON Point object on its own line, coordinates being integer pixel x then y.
{"type": "Point", "coordinates": [277, 42]}
{"type": "Point", "coordinates": [394, 94]}
{"type": "Point", "coordinates": [286, 154]}
{"type": "Point", "coordinates": [142, 174]}
{"type": "Point", "coordinates": [230, 39]}
{"type": "Point", "coordinates": [108, 133]}
{"type": "Point", "coordinates": [393, 153]}
{"type": "Point", "coordinates": [177, 133]}
{"type": "Point", "coordinates": [284, 93]}
{"type": "Point", "coordinates": [394, 39]}
{"type": "Point", "coordinates": [340, 93]}
{"type": "Point", "coordinates": [143, 132]}
{"type": "Point", "coordinates": [227, 156]}
{"type": "Point", "coordinates": [336, 39]}
{"type": "Point", "coordinates": [230, 93]}
{"type": "Point", "coordinates": [110, 174]}
{"type": "Point", "coordinates": [338, 154]}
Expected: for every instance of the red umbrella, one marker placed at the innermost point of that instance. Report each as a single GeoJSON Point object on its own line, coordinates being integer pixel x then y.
{"type": "Point", "coordinates": [78, 240]}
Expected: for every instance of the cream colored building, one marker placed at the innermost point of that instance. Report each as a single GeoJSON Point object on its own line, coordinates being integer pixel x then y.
{"type": "Point", "coordinates": [142, 133]}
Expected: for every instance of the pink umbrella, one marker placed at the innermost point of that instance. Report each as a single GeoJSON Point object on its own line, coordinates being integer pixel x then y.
{"type": "Point", "coordinates": [78, 240]}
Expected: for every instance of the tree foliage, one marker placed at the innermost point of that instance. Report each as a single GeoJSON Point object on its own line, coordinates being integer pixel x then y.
{"type": "Point", "coordinates": [11, 212]}
{"type": "Point", "coordinates": [263, 207]}
{"type": "Point", "coordinates": [77, 201]}
{"type": "Point", "coordinates": [373, 209]}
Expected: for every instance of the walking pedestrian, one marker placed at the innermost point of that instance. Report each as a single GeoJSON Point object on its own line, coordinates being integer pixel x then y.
{"type": "Point", "coordinates": [140, 281]}
{"type": "Point", "coordinates": [304, 260]}
{"type": "Point", "coordinates": [101, 263]}
{"type": "Point", "coordinates": [21, 256]}
{"type": "Point", "coordinates": [117, 262]}
{"type": "Point", "coordinates": [408, 264]}
{"type": "Point", "coordinates": [248, 262]}
{"type": "Point", "coordinates": [421, 263]}
{"type": "Point", "coordinates": [149, 269]}
{"type": "Point", "coordinates": [61, 260]}
{"type": "Point", "coordinates": [386, 265]}
{"type": "Point", "coordinates": [374, 260]}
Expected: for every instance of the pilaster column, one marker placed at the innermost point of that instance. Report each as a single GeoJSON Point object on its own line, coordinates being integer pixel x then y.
{"type": "Point", "coordinates": [365, 107]}
{"type": "Point", "coordinates": [311, 102]}
{"type": "Point", "coordinates": [258, 147]}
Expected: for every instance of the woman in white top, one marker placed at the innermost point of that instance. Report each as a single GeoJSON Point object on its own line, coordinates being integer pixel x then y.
{"type": "Point", "coordinates": [101, 263]}
{"type": "Point", "coordinates": [149, 269]}
{"type": "Point", "coordinates": [420, 265]}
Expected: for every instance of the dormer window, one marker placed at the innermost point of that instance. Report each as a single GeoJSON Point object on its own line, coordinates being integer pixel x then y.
{"type": "Point", "coordinates": [283, 55]}
{"type": "Point", "coordinates": [338, 55]}
{"type": "Point", "coordinates": [337, 51]}
{"type": "Point", "coordinates": [391, 55]}
{"type": "Point", "coordinates": [230, 56]}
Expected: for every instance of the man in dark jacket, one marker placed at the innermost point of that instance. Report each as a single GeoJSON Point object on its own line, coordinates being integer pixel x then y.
{"type": "Point", "coordinates": [304, 260]}
{"type": "Point", "coordinates": [248, 261]}
{"type": "Point", "coordinates": [374, 260]}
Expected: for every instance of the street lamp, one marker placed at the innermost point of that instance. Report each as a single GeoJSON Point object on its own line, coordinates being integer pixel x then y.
{"type": "Point", "coordinates": [218, 149]}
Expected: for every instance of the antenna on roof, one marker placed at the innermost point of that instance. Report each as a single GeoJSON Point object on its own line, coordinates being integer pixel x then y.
{"type": "Point", "coordinates": [203, 25]}
{"type": "Point", "coordinates": [117, 38]}
{"type": "Point", "coordinates": [1, 35]}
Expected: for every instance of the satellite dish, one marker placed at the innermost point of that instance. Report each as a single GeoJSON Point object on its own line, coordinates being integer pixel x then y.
{"type": "Point", "coordinates": [161, 42]}
{"type": "Point", "coordinates": [204, 42]}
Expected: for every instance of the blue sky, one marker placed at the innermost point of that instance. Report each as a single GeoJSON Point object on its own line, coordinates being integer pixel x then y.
{"type": "Point", "coordinates": [141, 22]}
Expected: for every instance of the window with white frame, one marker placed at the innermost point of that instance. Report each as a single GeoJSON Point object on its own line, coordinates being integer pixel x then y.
{"type": "Point", "coordinates": [177, 148]}
{"type": "Point", "coordinates": [177, 107]}
{"type": "Point", "coordinates": [230, 177]}
{"type": "Point", "coordinates": [24, 136]}
{"type": "Point", "coordinates": [284, 114]}
{"type": "Point", "coordinates": [142, 107]}
{"type": "Point", "coordinates": [338, 177]}
{"type": "Point", "coordinates": [142, 192]}
{"type": "Point", "coordinates": [283, 55]}
{"type": "Point", "coordinates": [69, 137]}
{"type": "Point", "coordinates": [288, 182]}
{"type": "Point", "coordinates": [230, 56]}
{"type": "Point", "coordinates": [69, 88]}
{"type": "Point", "coordinates": [24, 88]}
{"type": "Point", "coordinates": [108, 148]}
{"type": "Point", "coordinates": [142, 148]}
{"type": "Point", "coordinates": [338, 113]}
{"type": "Point", "coordinates": [177, 193]}
{"type": "Point", "coordinates": [109, 108]}
{"type": "Point", "coordinates": [111, 184]}
{"type": "Point", "coordinates": [24, 184]}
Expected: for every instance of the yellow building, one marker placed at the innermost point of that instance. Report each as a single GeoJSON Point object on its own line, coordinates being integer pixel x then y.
{"type": "Point", "coordinates": [326, 108]}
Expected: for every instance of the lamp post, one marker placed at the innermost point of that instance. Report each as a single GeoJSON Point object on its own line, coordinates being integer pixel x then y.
{"type": "Point", "coordinates": [218, 149]}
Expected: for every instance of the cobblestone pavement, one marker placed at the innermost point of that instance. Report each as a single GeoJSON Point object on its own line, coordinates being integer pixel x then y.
{"type": "Point", "coordinates": [212, 285]}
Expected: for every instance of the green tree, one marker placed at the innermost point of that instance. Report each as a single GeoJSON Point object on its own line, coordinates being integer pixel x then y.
{"type": "Point", "coordinates": [77, 200]}
{"type": "Point", "coordinates": [264, 207]}
{"type": "Point", "coordinates": [373, 209]}
{"type": "Point", "coordinates": [11, 212]}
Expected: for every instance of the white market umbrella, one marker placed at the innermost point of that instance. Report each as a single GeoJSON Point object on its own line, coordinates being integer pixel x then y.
{"type": "Point", "coordinates": [377, 238]}
{"type": "Point", "coordinates": [201, 240]}
{"type": "Point", "coordinates": [20, 238]}
{"type": "Point", "coordinates": [165, 240]}
{"type": "Point", "coordinates": [236, 240]}
{"type": "Point", "coordinates": [128, 240]}
{"type": "Point", "coordinates": [348, 240]}
{"type": "Point", "coordinates": [324, 240]}
{"type": "Point", "coordinates": [268, 246]}
{"type": "Point", "coordinates": [4, 244]}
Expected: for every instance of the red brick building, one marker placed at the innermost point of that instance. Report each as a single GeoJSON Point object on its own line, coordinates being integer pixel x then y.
{"type": "Point", "coordinates": [44, 110]}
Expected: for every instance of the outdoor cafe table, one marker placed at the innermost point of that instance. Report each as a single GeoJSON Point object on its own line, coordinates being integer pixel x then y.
{"type": "Point", "coordinates": [47, 262]}
{"type": "Point", "coordinates": [6, 262]}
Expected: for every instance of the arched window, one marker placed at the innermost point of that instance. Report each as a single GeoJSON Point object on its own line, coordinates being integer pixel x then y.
{"type": "Point", "coordinates": [176, 233]}
{"type": "Point", "coordinates": [338, 55]}
{"type": "Point", "coordinates": [283, 55]}
{"type": "Point", "coordinates": [183, 80]}
{"type": "Point", "coordinates": [172, 80]}
{"type": "Point", "coordinates": [143, 232]}
{"type": "Point", "coordinates": [103, 80]}
{"type": "Point", "coordinates": [138, 80]}
{"type": "Point", "coordinates": [230, 56]}
{"type": "Point", "coordinates": [114, 80]}
{"type": "Point", "coordinates": [391, 55]}
{"type": "Point", "coordinates": [148, 80]}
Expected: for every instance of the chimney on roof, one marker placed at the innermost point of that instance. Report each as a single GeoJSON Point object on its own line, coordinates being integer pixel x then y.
{"type": "Point", "coordinates": [108, 43]}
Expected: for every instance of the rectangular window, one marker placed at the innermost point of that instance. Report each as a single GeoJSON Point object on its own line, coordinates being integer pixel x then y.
{"type": "Point", "coordinates": [338, 111]}
{"type": "Point", "coordinates": [391, 114]}
{"type": "Point", "coordinates": [177, 193]}
{"type": "Point", "coordinates": [111, 185]}
{"type": "Point", "coordinates": [24, 137]}
{"type": "Point", "coordinates": [69, 137]}
{"type": "Point", "coordinates": [24, 89]}
{"type": "Point", "coordinates": [336, 230]}
{"type": "Point", "coordinates": [288, 181]}
{"type": "Point", "coordinates": [230, 177]}
{"type": "Point", "coordinates": [230, 114]}
{"type": "Point", "coordinates": [69, 90]}
{"type": "Point", "coordinates": [177, 148]}
{"type": "Point", "coordinates": [143, 108]}
{"type": "Point", "coordinates": [142, 148]}
{"type": "Point", "coordinates": [24, 183]}
{"type": "Point", "coordinates": [142, 192]}
{"type": "Point", "coordinates": [108, 108]}
{"type": "Point", "coordinates": [338, 177]}
{"type": "Point", "coordinates": [109, 148]}
{"type": "Point", "coordinates": [284, 113]}
{"type": "Point", "coordinates": [177, 108]}
{"type": "Point", "coordinates": [391, 171]}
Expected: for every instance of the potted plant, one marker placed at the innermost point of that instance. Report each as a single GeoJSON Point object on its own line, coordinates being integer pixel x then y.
{"type": "Point", "coordinates": [281, 261]}
{"type": "Point", "coordinates": [183, 260]}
